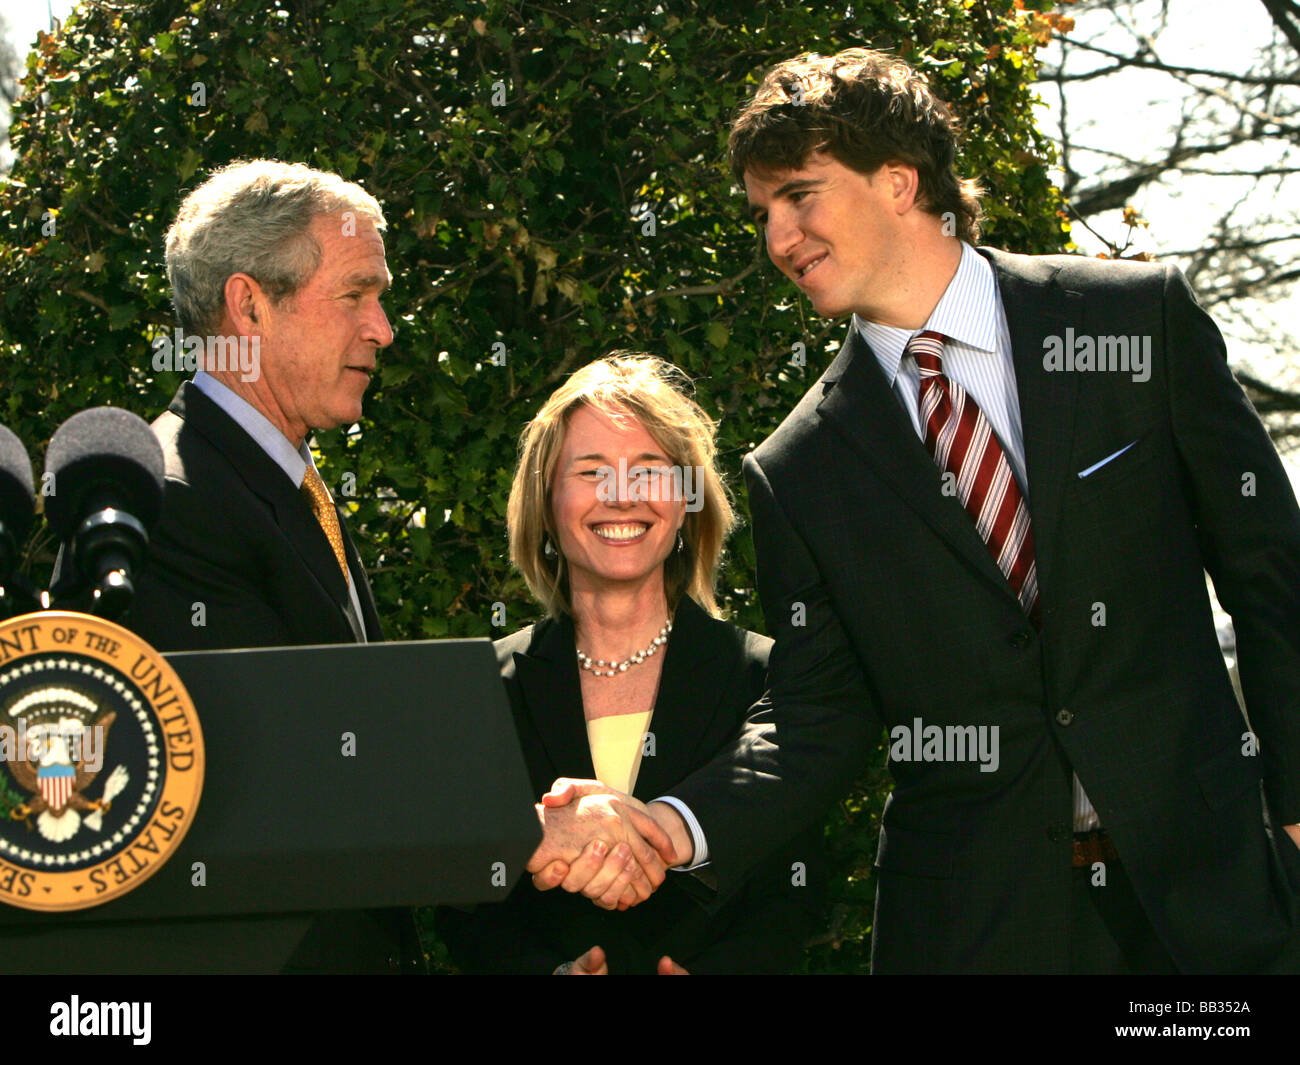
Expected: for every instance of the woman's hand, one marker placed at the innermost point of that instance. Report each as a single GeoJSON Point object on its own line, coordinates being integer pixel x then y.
{"type": "Point", "coordinates": [590, 964]}
{"type": "Point", "coordinates": [601, 843]}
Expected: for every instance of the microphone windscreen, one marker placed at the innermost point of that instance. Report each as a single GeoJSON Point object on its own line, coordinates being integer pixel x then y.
{"type": "Point", "coordinates": [103, 452]}
{"type": "Point", "coordinates": [17, 498]}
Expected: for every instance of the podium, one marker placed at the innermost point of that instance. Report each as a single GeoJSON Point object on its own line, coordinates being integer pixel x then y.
{"type": "Point", "coordinates": [342, 781]}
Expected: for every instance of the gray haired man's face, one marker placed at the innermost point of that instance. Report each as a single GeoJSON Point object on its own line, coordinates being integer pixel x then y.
{"type": "Point", "coordinates": [319, 346]}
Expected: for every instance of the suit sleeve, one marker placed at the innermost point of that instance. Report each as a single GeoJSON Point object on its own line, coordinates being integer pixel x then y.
{"type": "Point", "coordinates": [811, 733]}
{"type": "Point", "coordinates": [1249, 528]}
{"type": "Point", "coordinates": [764, 928]}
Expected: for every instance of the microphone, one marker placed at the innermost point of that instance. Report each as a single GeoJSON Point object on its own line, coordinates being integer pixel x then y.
{"type": "Point", "coordinates": [17, 511]}
{"type": "Point", "coordinates": [107, 473]}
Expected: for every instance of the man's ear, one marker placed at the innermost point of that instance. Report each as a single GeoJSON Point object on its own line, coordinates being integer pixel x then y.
{"type": "Point", "coordinates": [245, 303]}
{"type": "Point", "coordinates": [904, 184]}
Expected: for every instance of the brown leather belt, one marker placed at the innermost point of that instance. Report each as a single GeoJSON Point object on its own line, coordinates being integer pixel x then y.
{"type": "Point", "coordinates": [1094, 846]}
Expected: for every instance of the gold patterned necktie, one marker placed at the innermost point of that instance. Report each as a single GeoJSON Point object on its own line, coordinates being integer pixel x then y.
{"type": "Point", "coordinates": [322, 506]}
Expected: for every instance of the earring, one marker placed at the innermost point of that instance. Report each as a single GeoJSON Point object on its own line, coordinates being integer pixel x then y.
{"type": "Point", "coordinates": [680, 543]}
{"type": "Point", "coordinates": [548, 548]}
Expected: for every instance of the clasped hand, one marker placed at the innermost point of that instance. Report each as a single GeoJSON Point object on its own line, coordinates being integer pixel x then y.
{"type": "Point", "coordinates": [601, 843]}
{"type": "Point", "coordinates": [593, 963]}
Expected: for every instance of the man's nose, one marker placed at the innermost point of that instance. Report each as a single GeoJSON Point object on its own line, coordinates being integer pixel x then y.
{"type": "Point", "coordinates": [782, 234]}
{"type": "Point", "coordinates": [378, 331]}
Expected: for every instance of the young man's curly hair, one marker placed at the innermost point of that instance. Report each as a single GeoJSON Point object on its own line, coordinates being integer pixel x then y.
{"type": "Point", "coordinates": [864, 109]}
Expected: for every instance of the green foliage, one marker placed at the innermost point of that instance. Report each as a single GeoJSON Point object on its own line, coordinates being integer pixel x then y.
{"type": "Point", "coordinates": [10, 800]}
{"type": "Point", "coordinates": [518, 220]}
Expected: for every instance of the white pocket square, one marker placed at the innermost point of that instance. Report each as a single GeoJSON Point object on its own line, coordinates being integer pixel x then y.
{"type": "Point", "coordinates": [1109, 458]}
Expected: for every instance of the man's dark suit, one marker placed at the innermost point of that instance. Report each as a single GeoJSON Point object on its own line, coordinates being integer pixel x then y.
{"type": "Point", "coordinates": [887, 607]}
{"type": "Point", "coordinates": [712, 673]}
{"type": "Point", "coordinates": [239, 538]}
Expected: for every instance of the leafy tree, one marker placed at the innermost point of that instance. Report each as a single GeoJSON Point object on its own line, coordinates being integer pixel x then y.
{"type": "Point", "coordinates": [554, 181]}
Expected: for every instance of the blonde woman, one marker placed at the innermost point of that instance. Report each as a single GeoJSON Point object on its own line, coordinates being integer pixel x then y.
{"type": "Point", "coordinates": [617, 520]}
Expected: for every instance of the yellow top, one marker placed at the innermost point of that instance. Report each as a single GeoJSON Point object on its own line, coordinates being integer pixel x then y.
{"type": "Point", "coordinates": [616, 745]}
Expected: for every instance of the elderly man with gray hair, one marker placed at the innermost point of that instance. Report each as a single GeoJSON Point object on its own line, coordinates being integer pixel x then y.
{"type": "Point", "coordinates": [276, 272]}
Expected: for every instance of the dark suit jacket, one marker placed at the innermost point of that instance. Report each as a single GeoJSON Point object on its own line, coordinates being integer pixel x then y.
{"type": "Point", "coordinates": [237, 537]}
{"type": "Point", "coordinates": [887, 608]}
{"type": "Point", "coordinates": [712, 672]}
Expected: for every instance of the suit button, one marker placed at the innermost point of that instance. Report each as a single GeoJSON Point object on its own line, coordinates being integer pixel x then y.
{"type": "Point", "coordinates": [1058, 832]}
{"type": "Point", "coordinates": [1064, 717]}
{"type": "Point", "coordinates": [394, 963]}
{"type": "Point", "coordinates": [1020, 640]}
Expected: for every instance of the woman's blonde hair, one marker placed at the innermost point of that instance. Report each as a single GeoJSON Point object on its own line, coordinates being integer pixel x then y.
{"type": "Point", "coordinates": [655, 393]}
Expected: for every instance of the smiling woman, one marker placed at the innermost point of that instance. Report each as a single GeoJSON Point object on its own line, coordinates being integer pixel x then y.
{"type": "Point", "coordinates": [634, 408]}
{"type": "Point", "coordinates": [617, 518]}
{"type": "Point", "coordinates": [611, 536]}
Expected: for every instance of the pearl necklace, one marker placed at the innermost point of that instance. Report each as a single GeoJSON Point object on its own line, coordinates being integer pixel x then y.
{"type": "Point", "coordinates": [621, 667]}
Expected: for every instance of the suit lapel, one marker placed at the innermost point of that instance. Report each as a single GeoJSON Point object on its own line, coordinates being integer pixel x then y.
{"type": "Point", "coordinates": [1037, 307]}
{"type": "Point", "coordinates": [369, 619]}
{"type": "Point", "coordinates": [266, 480]}
{"type": "Point", "coordinates": [548, 678]}
{"type": "Point", "coordinates": [864, 409]}
{"type": "Point", "coordinates": [861, 406]}
{"type": "Point", "coordinates": [690, 687]}
{"type": "Point", "coordinates": [689, 694]}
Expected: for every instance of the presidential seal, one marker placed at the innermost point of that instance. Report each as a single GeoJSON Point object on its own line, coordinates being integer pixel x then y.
{"type": "Point", "coordinates": [102, 761]}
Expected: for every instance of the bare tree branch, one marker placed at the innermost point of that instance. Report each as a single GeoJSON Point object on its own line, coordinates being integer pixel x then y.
{"type": "Point", "coordinates": [1286, 17]}
{"type": "Point", "coordinates": [1233, 137]}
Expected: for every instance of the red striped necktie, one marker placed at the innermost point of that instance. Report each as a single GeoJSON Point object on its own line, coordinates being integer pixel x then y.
{"type": "Point", "coordinates": [963, 443]}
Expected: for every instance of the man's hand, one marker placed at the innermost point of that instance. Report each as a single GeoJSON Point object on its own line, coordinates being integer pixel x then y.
{"type": "Point", "coordinates": [600, 842]}
{"type": "Point", "coordinates": [668, 967]}
{"type": "Point", "coordinates": [612, 879]}
{"type": "Point", "coordinates": [663, 814]}
{"type": "Point", "coordinates": [592, 963]}
{"type": "Point", "coordinates": [1294, 832]}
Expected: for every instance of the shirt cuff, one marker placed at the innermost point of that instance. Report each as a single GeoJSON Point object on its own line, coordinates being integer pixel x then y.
{"type": "Point", "coordinates": [692, 826]}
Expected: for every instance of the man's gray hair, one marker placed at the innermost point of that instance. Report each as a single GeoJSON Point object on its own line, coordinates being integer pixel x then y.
{"type": "Point", "coordinates": [253, 218]}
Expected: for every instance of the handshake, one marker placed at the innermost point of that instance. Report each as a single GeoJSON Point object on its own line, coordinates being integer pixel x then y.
{"type": "Point", "coordinates": [612, 848]}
